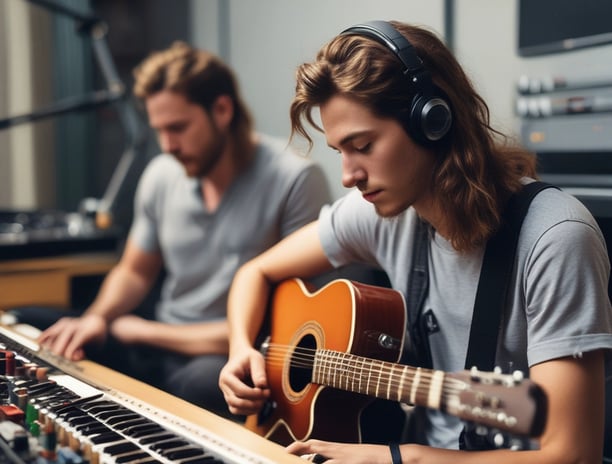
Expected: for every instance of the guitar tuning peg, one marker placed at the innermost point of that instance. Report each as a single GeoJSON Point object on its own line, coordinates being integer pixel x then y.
{"type": "Point", "coordinates": [518, 376]}
{"type": "Point", "coordinates": [499, 440]}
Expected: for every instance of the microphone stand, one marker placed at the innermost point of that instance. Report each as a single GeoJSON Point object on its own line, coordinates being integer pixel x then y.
{"type": "Point", "coordinates": [114, 93]}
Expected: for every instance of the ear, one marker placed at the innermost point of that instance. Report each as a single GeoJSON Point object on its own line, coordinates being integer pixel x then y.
{"type": "Point", "coordinates": [222, 111]}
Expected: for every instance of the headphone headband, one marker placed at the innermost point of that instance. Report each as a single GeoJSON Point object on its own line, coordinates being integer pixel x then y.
{"type": "Point", "coordinates": [430, 116]}
{"type": "Point", "coordinates": [385, 33]}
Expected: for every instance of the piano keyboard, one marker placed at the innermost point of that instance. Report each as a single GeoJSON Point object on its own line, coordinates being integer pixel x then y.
{"type": "Point", "coordinates": [56, 411]}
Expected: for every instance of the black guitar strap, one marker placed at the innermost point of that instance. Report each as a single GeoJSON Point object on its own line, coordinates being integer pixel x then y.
{"type": "Point", "coordinates": [495, 276]}
{"type": "Point", "coordinates": [416, 351]}
{"type": "Point", "coordinates": [491, 293]}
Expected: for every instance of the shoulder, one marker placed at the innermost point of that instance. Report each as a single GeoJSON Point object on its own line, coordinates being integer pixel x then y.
{"type": "Point", "coordinates": [274, 152]}
{"type": "Point", "coordinates": [161, 170]}
{"type": "Point", "coordinates": [559, 219]}
{"type": "Point", "coordinates": [553, 206]}
{"type": "Point", "coordinates": [162, 165]}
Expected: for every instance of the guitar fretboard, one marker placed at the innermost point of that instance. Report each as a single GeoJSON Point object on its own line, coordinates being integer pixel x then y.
{"type": "Point", "coordinates": [380, 379]}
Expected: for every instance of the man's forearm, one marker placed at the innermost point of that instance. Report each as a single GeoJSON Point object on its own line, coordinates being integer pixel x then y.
{"type": "Point", "coordinates": [119, 294]}
{"type": "Point", "coordinates": [188, 339]}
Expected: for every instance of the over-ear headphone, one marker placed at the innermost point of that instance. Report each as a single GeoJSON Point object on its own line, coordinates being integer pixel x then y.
{"type": "Point", "coordinates": [430, 117]}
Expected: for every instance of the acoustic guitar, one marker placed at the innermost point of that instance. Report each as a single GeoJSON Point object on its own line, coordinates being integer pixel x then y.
{"type": "Point", "coordinates": [332, 351]}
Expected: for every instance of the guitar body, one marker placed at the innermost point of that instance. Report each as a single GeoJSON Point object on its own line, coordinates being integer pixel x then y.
{"type": "Point", "coordinates": [344, 316]}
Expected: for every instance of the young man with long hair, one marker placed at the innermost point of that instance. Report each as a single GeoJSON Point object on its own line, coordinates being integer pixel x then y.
{"type": "Point", "coordinates": [417, 147]}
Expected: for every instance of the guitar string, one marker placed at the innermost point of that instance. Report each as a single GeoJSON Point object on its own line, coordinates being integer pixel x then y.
{"type": "Point", "coordinates": [377, 386]}
{"type": "Point", "coordinates": [305, 357]}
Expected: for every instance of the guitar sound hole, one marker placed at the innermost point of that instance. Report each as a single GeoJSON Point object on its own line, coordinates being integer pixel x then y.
{"type": "Point", "coordinates": [300, 372]}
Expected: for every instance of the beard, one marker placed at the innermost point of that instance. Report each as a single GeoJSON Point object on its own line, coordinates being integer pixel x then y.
{"type": "Point", "coordinates": [209, 157]}
{"type": "Point", "coordinates": [212, 157]}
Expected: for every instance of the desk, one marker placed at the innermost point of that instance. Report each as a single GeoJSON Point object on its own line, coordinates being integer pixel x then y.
{"type": "Point", "coordinates": [47, 281]}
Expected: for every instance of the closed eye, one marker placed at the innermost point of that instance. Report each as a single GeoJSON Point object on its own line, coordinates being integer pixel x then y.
{"type": "Point", "coordinates": [364, 148]}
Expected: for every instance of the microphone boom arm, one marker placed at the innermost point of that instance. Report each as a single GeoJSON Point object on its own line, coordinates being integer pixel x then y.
{"type": "Point", "coordinates": [114, 93]}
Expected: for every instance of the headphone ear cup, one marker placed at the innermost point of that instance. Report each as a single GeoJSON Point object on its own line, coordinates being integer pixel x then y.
{"type": "Point", "coordinates": [430, 119]}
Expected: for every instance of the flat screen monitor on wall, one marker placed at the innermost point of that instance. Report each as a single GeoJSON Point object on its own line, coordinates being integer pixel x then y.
{"type": "Point", "coordinates": [554, 26]}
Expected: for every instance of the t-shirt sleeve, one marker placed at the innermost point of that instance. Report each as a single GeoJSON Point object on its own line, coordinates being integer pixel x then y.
{"type": "Point", "coordinates": [568, 308]}
{"type": "Point", "coordinates": [305, 198]}
{"type": "Point", "coordinates": [143, 231]}
{"type": "Point", "coordinates": [348, 230]}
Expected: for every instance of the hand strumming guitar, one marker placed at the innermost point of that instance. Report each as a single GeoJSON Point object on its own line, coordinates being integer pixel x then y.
{"type": "Point", "coordinates": [243, 381]}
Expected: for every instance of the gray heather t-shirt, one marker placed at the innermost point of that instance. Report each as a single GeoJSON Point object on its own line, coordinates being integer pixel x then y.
{"type": "Point", "coordinates": [559, 304]}
{"type": "Point", "coordinates": [280, 192]}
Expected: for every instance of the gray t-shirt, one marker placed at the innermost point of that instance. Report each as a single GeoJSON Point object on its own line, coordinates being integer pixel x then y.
{"type": "Point", "coordinates": [558, 306]}
{"type": "Point", "coordinates": [201, 251]}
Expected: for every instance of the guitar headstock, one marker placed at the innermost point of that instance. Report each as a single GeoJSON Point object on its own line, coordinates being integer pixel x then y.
{"type": "Point", "coordinates": [507, 402]}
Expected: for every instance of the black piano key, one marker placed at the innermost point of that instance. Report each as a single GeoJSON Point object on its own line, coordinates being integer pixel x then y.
{"type": "Point", "coordinates": [90, 429]}
{"type": "Point", "coordinates": [79, 401]}
{"type": "Point", "coordinates": [71, 411]}
{"type": "Point", "coordinates": [53, 400]}
{"type": "Point", "coordinates": [127, 425]}
{"type": "Point", "coordinates": [120, 448]}
{"type": "Point", "coordinates": [169, 444]}
{"type": "Point", "coordinates": [139, 431]}
{"type": "Point", "coordinates": [56, 404]}
{"type": "Point", "coordinates": [203, 460]}
{"type": "Point", "coordinates": [122, 418]}
{"type": "Point", "coordinates": [189, 452]}
{"type": "Point", "coordinates": [81, 420]}
{"type": "Point", "coordinates": [134, 457]}
{"type": "Point", "coordinates": [152, 439]}
{"type": "Point", "coordinates": [49, 390]}
{"type": "Point", "coordinates": [100, 406]}
{"type": "Point", "coordinates": [41, 400]}
{"type": "Point", "coordinates": [114, 413]}
{"type": "Point", "coordinates": [107, 437]}
{"type": "Point", "coordinates": [41, 387]}
{"type": "Point", "coordinates": [24, 383]}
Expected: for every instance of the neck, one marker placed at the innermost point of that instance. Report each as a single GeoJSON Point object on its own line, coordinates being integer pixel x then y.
{"type": "Point", "coordinates": [234, 159]}
{"type": "Point", "coordinates": [431, 212]}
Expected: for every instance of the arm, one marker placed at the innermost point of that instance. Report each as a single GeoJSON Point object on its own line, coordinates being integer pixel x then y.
{"type": "Point", "coordinates": [298, 255]}
{"type": "Point", "coordinates": [188, 339]}
{"type": "Point", "coordinates": [122, 290]}
{"type": "Point", "coordinates": [573, 434]}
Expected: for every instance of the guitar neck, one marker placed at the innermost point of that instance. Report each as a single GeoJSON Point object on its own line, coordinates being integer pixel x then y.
{"type": "Point", "coordinates": [380, 379]}
{"type": "Point", "coordinates": [506, 402]}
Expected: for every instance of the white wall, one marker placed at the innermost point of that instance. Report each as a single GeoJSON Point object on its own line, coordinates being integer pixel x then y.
{"type": "Point", "coordinates": [485, 44]}
{"type": "Point", "coordinates": [26, 150]}
{"type": "Point", "coordinates": [18, 74]}
{"type": "Point", "coordinates": [268, 39]}
{"type": "Point", "coordinates": [5, 146]}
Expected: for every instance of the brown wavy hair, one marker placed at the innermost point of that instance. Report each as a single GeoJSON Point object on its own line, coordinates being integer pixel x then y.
{"type": "Point", "coordinates": [198, 75]}
{"type": "Point", "coordinates": [477, 167]}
